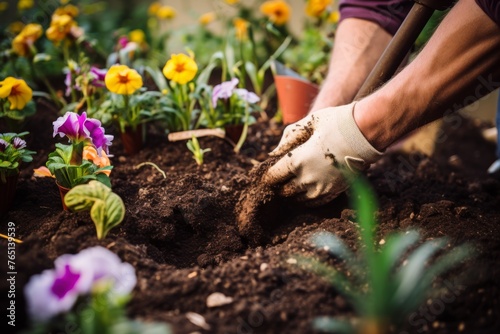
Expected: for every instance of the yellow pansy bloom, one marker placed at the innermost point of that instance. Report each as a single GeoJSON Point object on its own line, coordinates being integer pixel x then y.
{"type": "Point", "coordinates": [241, 28]}
{"type": "Point", "coordinates": [23, 42]}
{"type": "Point", "coordinates": [180, 68]}
{"type": "Point", "coordinates": [207, 18]}
{"type": "Point", "coordinates": [165, 12]}
{"type": "Point", "coordinates": [278, 11]}
{"type": "Point", "coordinates": [334, 17]}
{"type": "Point", "coordinates": [16, 91]}
{"type": "Point", "coordinates": [231, 2]}
{"type": "Point", "coordinates": [3, 6]}
{"type": "Point", "coordinates": [137, 36]}
{"type": "Point", "coordinates": [153, 8]}
{"type": "Point", "coordinates": [25, 4]}
{"type": "Point", "coordinates": [316, 8]}
{"type": "Point", "coordinates": [60, 27]}
{"type": "Point", "coordinates": [90, 154]}
{"type": "Point", "coordinates": [121, 79]}
{"type": "Point", "coordinates": [16, 27]}
{"type": "Point", "coordinates": [70, 10]}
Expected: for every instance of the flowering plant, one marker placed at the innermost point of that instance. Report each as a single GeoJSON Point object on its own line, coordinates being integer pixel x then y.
{"type": "Point", "coordinates": [84, 158]}
{"type": "Point", "coordinates": [15, 96]}
{"type": "Point", "coordinates": [12, 152]}
{"type": "Point", "coordinates": [93, 282]}
{"type": "Point", "coordinates": [180, 70]}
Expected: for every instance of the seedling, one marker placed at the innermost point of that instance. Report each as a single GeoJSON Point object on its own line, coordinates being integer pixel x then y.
{"type": "Point", "coordinates": [383, 284]}
{"type": "Point", "coordinates": [194, 146]}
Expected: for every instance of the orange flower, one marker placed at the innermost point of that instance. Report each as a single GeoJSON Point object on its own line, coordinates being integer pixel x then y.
{"type": "Point", "coordinates": [60, 27]}
{"type": "Point", "coordinates": [23, 42]}
{"type": "Point", "coordinates": [278, 11]}
{"type": "Point", "coordinates": [207, 18]}
{"type": "Point", "coordinates": [165, 13]}
{"type": "Point", "coordinates": [90, 154]}
{"type": "Point", "coordinates": [316, 8]}
{"type": "Point", "coordinates": [16, 91]}
{"type": "Point", "coordinates": [241, 28]}
{"type": "Point", "coordinates": [42, 172]}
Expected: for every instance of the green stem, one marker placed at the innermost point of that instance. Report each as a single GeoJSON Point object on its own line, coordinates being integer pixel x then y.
{"type": "Point", "coordinates": [244, 133]}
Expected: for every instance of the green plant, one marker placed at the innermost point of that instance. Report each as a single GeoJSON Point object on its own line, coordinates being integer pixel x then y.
{"type": "Point", "coordinates": [12, 152]}
{"type": "Point", "coordinates": [194, 146]}
{"type": "Point", "coordinates": [383, 284]}
{"type": "Point", "coordinates": [106, 208]}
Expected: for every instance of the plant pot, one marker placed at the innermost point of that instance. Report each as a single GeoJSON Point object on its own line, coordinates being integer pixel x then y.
{"type": "Point", "coordinates": [295, 97]}
{"type": "Point", "coordinates": [132, 140]}
{"type": "Point", "coordinates": [7, 193]}
{"type": "Point", "coordinates": [63, 191]}
{"type": "Point", "coordinates": [233, 132]}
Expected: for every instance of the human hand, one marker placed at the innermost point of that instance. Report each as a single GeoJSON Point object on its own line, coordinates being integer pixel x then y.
{"type": "Point", "coordinates": [317, 153]}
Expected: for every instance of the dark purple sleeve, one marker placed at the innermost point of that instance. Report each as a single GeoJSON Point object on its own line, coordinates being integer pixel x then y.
{"type": "Point", "coordinates": [389, 14]}
{"type": "Point", "coordinates": [491, 8]}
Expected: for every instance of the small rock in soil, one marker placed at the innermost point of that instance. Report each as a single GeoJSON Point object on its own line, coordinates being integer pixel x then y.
{"type": "Point", "coordinates": [198, 320]}
{"type": "Point", "coordinates": [217, 299]}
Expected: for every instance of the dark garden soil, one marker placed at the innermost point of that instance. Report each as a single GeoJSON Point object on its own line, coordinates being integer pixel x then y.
{"type": "Point", "coordinates": [181, 235]}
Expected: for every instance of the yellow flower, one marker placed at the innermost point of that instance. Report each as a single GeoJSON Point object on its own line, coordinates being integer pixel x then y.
{"type": "Point", "coordinates": [180, 68]}
{"type": "Point", "coordinates": [317, 7]}
{"type": "Point", "coordinates": [278, 11]}
{"type": "Point", "coordinates": [16, 27]}
{"type": "Point", "coordinates": [231, 2]}
{"type": "Point", "coordinates": [334, 17]}
{"type": "Point", "coordinates": [241, 27]}
{"type": "Point", "coordinates": [137, 36]}
{"type": "Point", "coordinates": [121, 79]}
{"type": "Point", "coordinates": [60, 27]}
{"type": "Point", "coordinates": [70, 10]}
{"type": "Point", "coordinates": [23, 42]}
{"type": "Point", "coordinates": [16, 91]}
{"type": "Point", "coordinates": [90, 154]}
{"type": "Point", "coordinates": [25, 4]}
{"type": "Point", "coordinates": [3, 6]}
{"type": "Point", "coordinates": [207, 18]}
{"type": "Point", "coordinates": [165, 12]}
{"type": "Point", "coordinates": [153, 8]}
{"type": "Point", "coordinates": [63, 2]}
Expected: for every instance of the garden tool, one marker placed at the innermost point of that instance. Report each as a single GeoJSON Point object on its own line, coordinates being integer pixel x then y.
{"type": "Point", "coordinates": [257, 204]}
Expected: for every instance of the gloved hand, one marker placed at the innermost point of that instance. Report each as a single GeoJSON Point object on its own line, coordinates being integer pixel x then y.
{"type": "Point", "coordinates": [317, 151]}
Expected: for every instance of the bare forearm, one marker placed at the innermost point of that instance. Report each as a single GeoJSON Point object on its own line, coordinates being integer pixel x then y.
{"type": "Point", "coordinates": [459, 65]}
{"type": "Point", "coordinates": [358, 46]}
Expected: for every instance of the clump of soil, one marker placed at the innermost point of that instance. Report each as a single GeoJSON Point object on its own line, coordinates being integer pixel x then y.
{"type": "Point", "coordinates": [182, 236]}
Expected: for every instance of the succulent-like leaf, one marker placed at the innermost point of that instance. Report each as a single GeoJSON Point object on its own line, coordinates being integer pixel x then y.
{"type": "Point", "coordinates": [106, 208]}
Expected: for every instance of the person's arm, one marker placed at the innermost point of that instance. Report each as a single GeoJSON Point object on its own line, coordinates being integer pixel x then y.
{"type": "Point", "coordinates": [365, 30]}
{"type": "Point", "coordinates": [358, 46]}
{"type": "Point", "coordinates": [460, 64]}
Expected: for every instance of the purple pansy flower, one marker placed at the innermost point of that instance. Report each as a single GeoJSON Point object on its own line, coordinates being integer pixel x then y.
{"type": "Point", "coordinates": [3, 145]}
{"type": "Point", "coordinates": [55, 291]}
{"type": "Point", "coordinates": [244, 94]}
{"type": "Point", "coordinates": [18, 143]}
{"type": "Point", "coordinates": [223, 91]}
{"type": "Point", "coordinates": [79, 128]}
{"type": "Point", "coordinates": [68, 80]}
{"type": "Point", "coordinates": [123, 41]}
{"type": "Point", "coordinates": [98, 75]}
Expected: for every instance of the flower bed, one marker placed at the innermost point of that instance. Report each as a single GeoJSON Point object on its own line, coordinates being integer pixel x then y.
{"type": "Point", "coordinates": [180, 235]}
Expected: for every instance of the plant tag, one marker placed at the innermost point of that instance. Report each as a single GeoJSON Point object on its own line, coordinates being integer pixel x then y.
{"type": "Point", "coordinates": [184, 135]}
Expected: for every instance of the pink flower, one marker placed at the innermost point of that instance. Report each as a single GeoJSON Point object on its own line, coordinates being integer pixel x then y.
{"type": "Point", "coordinates": [247, 96]}
{"type": "Point", "coordinates": [55, 291]}
{"type": "Point", "coordinates": [99, 75]}
{"type": "Point", "coordinates": [79, 128]}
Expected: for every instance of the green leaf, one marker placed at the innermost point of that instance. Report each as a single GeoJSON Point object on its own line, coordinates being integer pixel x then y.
{"type": "Point", "coordinates": [106, 208]}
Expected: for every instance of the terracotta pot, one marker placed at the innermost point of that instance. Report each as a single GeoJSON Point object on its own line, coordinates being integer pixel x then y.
{"type": "Point", "coordinates": [233, 132]}
{"type": "Point", "coordinates": [132, 140]}
{"type": "Point", "coordinates": [63, 191]}
{"type": "Point", "coordinates": [295, 97]}
{"type": "Point", "coordinates": [7, 193]}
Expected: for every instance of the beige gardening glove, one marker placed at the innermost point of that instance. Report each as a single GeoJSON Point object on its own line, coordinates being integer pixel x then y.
{"type": "Point", "coordinates": [319, 152]}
